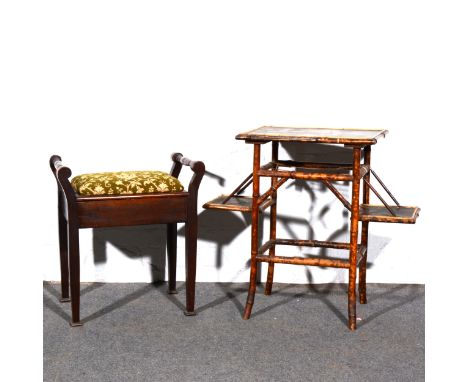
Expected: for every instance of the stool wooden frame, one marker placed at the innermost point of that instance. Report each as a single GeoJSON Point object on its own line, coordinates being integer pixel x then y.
{"type": "Point", "coordinates": [76, 211]}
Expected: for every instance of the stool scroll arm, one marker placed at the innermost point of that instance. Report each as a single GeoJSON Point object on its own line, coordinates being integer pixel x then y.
{"type": "Point", "coordinates": [197, 167]}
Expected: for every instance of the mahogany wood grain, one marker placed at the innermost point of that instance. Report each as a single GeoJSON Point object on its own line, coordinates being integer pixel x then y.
{"type": "Point", "coordinates": [128, 211]}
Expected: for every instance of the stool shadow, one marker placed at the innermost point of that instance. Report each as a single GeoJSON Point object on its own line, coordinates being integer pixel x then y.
{"type": "Point", "coordinates": [58, 309]}
{"type": "Point", "coordinates": [230, 294]}
{"type": "Point", "coordinates": [52, 304]}
{"type": "Point", "coordinates": [136, 242]}
{"type": "Point", "coordinates": [150, 242]}
{"type": "Point", "coordinates": [220, 228]}
{"type": "Point", "coordinates": [123, 301]}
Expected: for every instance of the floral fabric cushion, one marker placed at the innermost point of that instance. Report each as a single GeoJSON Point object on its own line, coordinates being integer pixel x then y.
{"type": "Point", "coordinates": [125, 182]}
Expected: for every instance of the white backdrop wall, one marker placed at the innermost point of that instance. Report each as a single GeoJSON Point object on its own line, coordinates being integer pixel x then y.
{"type": "Point", "coordinates": [121, 85]}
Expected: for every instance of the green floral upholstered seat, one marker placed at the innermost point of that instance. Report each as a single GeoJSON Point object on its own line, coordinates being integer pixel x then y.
{"type": "Point", "coordinates": [125, 182]}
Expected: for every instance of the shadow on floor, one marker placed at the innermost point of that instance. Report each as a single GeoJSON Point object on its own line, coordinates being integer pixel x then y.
{"type": "Point", "coordinates": [393, 298]}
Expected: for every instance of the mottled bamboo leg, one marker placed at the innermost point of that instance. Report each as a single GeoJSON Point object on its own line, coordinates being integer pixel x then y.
{"type": "Point", "coordinates": [74, 258]}
{"type": "Point", "coordinates": [354, 239]}
{"type": "Point", "coordinates": [171, 243]}
{"type": "Point", "coordinates": [191, 228]}
{"type": "Point", "coordinates": [274, 197]}
{"type": "Point", "coordinates": [63, 245]}
{"type": "Point", "coordinates": [254, 236]}
{"type": "Point", "coordinates": [364, 232]}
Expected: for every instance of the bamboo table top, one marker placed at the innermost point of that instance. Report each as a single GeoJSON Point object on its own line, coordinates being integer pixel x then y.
{"type": "Point", "coordinates": [309, 134]}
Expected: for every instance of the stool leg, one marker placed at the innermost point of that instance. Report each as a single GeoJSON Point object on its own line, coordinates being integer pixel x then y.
{"type": "Point", "coordinates": [74, 258]}
{"type": "Point", "coordinates": [354, 239]}
{"type": "Point", "coordinates": [254, 236]}
{"type": "Point", "coordinates": [63, 245]}
{"type": "Point", "coordinates": [190, 259]}
{"type": "Point", "coordinates": [172, 256]}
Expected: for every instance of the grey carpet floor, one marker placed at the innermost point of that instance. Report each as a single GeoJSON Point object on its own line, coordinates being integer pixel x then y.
{"type": "Point", "coordinates": [136, 332]}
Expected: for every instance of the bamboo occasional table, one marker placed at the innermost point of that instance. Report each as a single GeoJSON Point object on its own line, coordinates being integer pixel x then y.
{"type": "Point", "coordinates": [279, 171]}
